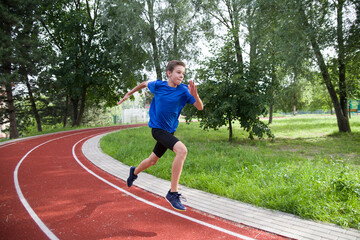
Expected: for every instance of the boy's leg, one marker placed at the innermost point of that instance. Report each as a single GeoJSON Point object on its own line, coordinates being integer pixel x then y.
{"type": "Point", "coordinates": [173, 197]}
{"type": "Point", "coordinates": [154, 157]}
{"type": "Point", "coordinates": [166, 140]}
{"type": "Point", "coordinates": [146, 163]}
{"type": "Point", "coordinates": [177, 166]}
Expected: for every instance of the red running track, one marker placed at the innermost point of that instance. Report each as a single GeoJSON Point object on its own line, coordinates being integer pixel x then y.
{"type": "Point", "coordinates": [49, 190]}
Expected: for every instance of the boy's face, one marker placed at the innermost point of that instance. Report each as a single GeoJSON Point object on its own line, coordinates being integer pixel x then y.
{"type": "Point", "coordinates": [177, 75]}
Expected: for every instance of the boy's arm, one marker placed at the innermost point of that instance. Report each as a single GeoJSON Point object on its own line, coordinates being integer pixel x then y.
{"type": "Point", "coordinates": [193, 91]}
{"type": "Point", "coordinates": [135, 89]}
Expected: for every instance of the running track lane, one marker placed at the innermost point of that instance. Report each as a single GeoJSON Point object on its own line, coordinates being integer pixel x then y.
{"type": "Point", "coordinates": [50, 191]}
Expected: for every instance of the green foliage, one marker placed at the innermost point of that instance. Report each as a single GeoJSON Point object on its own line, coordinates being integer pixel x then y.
{"type": "Point", "coordinates": [318, 98]}
{"type": "Point", "coordinates": [181, 30]}
{"type": "Point", "coordinates": [163, 30]}
{"type": "Point", "coordinates": [91, 67]}
{"type": "Point", "coordinates": [229, 96]}
{"type": "Point", "coordinates": [353, 75]}
{"type": "Point", "coordinates": [22, 56]}
{"type": "Point", "coordinates": [291, 95]}
{"type": "Point", "coordinates": [80, 55]}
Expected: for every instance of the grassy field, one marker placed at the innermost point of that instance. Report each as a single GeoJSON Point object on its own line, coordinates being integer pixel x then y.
{"type": "Point", "coordinates": [309, 170]}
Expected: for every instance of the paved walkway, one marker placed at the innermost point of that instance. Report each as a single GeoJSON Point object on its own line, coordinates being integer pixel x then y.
{"type": "Point", "coordinates": [272, 221]}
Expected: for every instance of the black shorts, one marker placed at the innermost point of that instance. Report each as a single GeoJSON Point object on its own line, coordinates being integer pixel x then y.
{"type": "Point", "coordinates": [165, 140]}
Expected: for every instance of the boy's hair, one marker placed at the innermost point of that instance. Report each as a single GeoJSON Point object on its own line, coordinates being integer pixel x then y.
{"type": "Point", "coordinates": [172, 64]}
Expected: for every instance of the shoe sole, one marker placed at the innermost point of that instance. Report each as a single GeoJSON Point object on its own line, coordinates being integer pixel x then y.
{"type": "Point", "coordinates": [182, 210]}
{"type": "Point", "coordinates": [127, 183]}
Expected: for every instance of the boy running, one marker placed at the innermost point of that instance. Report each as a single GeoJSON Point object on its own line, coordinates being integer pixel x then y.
{"type": "Point", "coordinates": [169, 99]}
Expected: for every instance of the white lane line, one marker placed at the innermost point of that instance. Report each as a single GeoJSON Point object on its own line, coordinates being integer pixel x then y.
{"type": "Point", "coordinates": [23, 200]}
{"type": "Point", "coordinates": [21, 140]}
{"type": "Point", "coordinates": [155, 205]}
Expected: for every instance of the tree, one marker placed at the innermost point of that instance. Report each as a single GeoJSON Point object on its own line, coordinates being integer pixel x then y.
{"type": "Point", "coordinates": [290, 98]}
{"type": "Point", "coordinates": [229, 14]}
{"type": "Point", "coordinates": [280, 52]}
{"type": "Point", "coordinates": [29, 51]}
{"type": "Point", "coordinates": [11, 25]}
{"type": "Point", "coordinates": [153, 37]}
{"type": "Point", "coordinates": [242, 80]}
{"type": "Point", "coordinates": [26, 58]}
{"type": "Point", "coordinates": [91, 67]}
{"type": "Point", "coordinates": [353, 77]}
{"type": "Point", "coordinates": [163, 29]}
{"type": "Point", "coordinates": [228, 96]}
{"type": "Point", "coordinates": [181, 29]}
{"type": "Point", "coordinates": [307, 26]}
{"type": "Point", "coordinates": [218, 91]}
{"type": "Point", "coordinates": [353, 56]}
{"type": "Point", "coordinates": [319, 97]}
{"type": "Point", "coordinates": [312, 17]}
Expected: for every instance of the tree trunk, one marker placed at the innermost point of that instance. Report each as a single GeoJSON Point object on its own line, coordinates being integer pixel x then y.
{"type": "Point", "coordinates": [175, 42]}
{"type": "Point", "coordinates": [66, 110]}
{"type": "Point", "coordinates": [6, 71]}
{"type": "Point", "coordinates": [11, 109]}
{"type": "Point", "coordinates": [253, 48]}
{"type": "Point", "coordinates": [342, 120]}
{"type": "Point", "coordinates": [82, 107]}
{"type": "Point", "coordinates": [233, 14]}
{"type": "Point", "coordinates": [272, 93]}
{"type": "Point", "coordinates": [271, 111]}
{"type": "Point", "coordinates": [294, 105]}
{"type": "Point", "coordinates": [175, 52]}
{"type": "Point", "coordinates": [155, 54]}
{"type": "Point", "coordinates": [294, 109]}
{"type": "Point", "coordinates": [230, 128]}
{"type": "Point", "coordinates": [349, 110]}
{"type": "Point", "coordinates": [238, 52]}
{"type": "Point", "coordinates": [32, 103]}
{"type": "Point", "coordinates": [75, 104]}
{"type": "Point", "coordinates": [341, 58]}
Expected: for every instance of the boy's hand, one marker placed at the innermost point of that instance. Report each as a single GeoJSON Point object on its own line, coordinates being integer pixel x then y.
{"type": "Point", "coordinates": [137, 88]}
{"type": "Point", "coordinates": [193, 91]}
{"type": "Point", "coordinates": [192, 88]}
{"type": "Point", "coordinates": [124, 98]}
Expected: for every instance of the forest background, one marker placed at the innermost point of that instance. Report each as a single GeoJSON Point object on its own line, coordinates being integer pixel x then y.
{"type": "Point", "coordinates": [66, 62]}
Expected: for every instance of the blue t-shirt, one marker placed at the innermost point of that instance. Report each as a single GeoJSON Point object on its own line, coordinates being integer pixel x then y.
{"type": "Point", "coordinates": [167, 104]}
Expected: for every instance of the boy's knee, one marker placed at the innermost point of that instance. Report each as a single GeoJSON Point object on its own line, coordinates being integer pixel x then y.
{"type": "Point", "coordinates": [153, 162]}
{"type": "Point", "coordinates": [184, 151]}
{"type": "Point", "coordinates": [180, 149]}
{"type": "Point", "coordinates": [153, 159]}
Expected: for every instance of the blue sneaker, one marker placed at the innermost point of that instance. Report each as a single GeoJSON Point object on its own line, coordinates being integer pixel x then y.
{"type": "Point", "coordinates": [132, 177]}
{"type": "Point", "coordinates": [174, 200]}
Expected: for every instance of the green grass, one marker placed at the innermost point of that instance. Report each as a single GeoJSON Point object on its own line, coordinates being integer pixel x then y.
{"type": "Point", "coordinates": [309, 170]}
